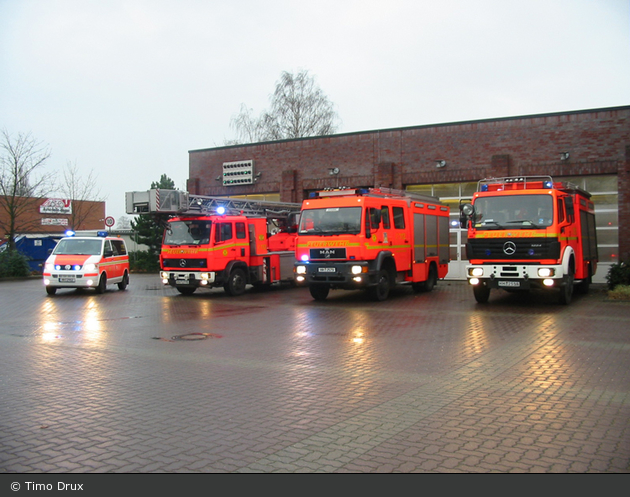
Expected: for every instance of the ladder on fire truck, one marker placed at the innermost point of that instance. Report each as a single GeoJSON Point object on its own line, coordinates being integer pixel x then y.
{"type": "Point", "coordinates": [178, 202]}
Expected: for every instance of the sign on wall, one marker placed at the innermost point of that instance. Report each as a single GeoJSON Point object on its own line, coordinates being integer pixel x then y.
{"type": "Point", "coordinates": [49, 221]}
{"type": "Point", "coordinates": [56, 206]}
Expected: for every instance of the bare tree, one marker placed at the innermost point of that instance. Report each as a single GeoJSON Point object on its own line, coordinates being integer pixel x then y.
{"type": "Point", "coordinates": [82, 191]}
{"type": "Point", "coordinates": [299, 108]}
{"type": "Point", "coordinates": [20, 160]}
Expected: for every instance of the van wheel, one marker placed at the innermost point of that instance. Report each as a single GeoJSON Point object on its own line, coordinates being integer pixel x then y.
{"type": "Point", "coordinates": [319, 292]}
{"type": "Point", "coordinates": [236, 283]}
{"type": "Point", "coordinates": [102, 284]}
{"type": "Point", "coordinates": [380, 292]}
{"type": "Point", "coordinates": [125, 281]}
{"type": "Point", "coordinates": [51, 290]}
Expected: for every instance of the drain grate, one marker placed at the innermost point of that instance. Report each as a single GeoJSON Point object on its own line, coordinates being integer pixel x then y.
{"type": "Point", "coordinates": [189, 337]}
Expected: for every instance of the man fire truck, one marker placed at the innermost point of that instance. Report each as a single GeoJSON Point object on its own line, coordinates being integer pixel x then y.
{"type": "Point", "coordinates": [371, 238]}
{"type": "Point", "coordinates": [218, 241]}
{"type": "Point", "coordinates": [529, 232]}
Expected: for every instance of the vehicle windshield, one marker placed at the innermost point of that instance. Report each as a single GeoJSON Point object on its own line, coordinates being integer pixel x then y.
{"type": "Point", "coordinates": [190, 232]}
{"type": "Point", "coordinates": [78, 246]}
{"type": "Point", "coordinates": [513, 212]}
{"type": "Point", "coordinates": [331, 221]}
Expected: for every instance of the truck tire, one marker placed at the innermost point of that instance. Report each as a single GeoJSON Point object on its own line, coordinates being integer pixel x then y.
{"type": "Point", "coordinates": [566, 291]}
{"type": "Point", "coordinates": [380, 291]}
{"type": "Point", "coordinates": [319, 291]}
{"type": "Point", "coordinates": [236, 283]}
{"type": "Point", "coordinates": [429, 284]}
{"type": "Point", "coordinates": [51, 290]}
{"type": "Point", "coordinates": [482, 293]}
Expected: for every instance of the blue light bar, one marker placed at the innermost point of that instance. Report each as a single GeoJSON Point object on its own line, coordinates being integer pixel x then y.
{"type": "Point", "coordinates": [548, 184]}
{"type": "Point", "coordinates": [70, 233]}
{"type": "Point", "coordinates": [102, 234]}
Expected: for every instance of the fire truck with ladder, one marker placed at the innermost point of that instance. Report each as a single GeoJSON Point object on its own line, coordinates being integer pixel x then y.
{"type": "Point", "coordinates": [219, 241]}
{"type": "Point", "coordinates": [372, 239]}
{"type": "Point", "coordinates": [528, 232]}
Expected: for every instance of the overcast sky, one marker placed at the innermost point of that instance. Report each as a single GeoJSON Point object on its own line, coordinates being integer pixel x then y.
{"type": "Point", "coordinates": [127, 87]}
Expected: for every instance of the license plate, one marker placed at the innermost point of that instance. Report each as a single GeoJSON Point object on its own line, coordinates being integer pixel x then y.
{"type": "Point", "coordinates": [326, 269]}
{"type": "Point", "coordinates": [512, 284]}
{"type": "Point", "coordinates": [66, 279]}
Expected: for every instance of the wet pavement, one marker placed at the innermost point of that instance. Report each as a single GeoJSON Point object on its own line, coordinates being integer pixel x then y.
{"type": "Point", "coordinates": [150, 381]}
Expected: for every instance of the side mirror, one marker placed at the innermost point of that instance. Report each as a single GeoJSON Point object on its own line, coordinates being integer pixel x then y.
{"type": "Point", "coordinates": [466, 213]}
{"type": "Point", "coordinates": [108, 253]}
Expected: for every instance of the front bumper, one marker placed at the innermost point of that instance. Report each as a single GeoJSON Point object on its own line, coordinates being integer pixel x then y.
{"type": "Point", "coordinates": [190, 279]}
{"type": "Point", "coordinates": [516, 276]}
{"type": "Point", "coordinates": [337, 274]}
{"type": "Point", "coordinates": [62, 279]}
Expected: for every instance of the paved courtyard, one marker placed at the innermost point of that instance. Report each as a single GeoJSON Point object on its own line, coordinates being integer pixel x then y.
{"type": "Point", "coordinates": [150, 381]}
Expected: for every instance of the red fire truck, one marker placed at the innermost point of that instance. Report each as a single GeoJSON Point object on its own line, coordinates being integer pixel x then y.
{"type": "Point", "coordinates": [218, 241]}
{"type": "Point", "coordinates": [371, 238]}
{"type": "Point", "coordinates": [529, 232]}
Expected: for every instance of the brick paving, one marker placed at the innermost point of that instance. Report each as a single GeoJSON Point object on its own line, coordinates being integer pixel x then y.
{"type": "Point", "coordinates": [276, 382]}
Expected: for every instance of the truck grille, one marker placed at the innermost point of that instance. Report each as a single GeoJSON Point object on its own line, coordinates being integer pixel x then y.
{"type": "Point", "coordinates": [184, 263]}
{"type": "Point", "coordinates": [513, 248]}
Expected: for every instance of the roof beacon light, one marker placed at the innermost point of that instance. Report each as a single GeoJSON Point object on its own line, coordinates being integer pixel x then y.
{"type": "Point", "coordinates": [220, 210]}
{"type": "Point", "coordinates": [102, 234]}
{"type": "Point", "coordinates": [70, 233]}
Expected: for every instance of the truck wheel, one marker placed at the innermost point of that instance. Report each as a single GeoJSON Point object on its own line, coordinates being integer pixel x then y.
{"type": "Point", "coordinates": [429, 284]}
{"type": "Point", "coordinates": [236, 283]}
{"type": "Point", "coordinates": [51, 290]}
{"type": "Point", "coordinates": [482, 293]}
{"type": "Point", "coordinates": [125, 281]}
{"type": "Point", "coordinates": [186, 290]}
{"type": "Point", "coordinates": [319, 292]}
{"type": "Point", "coordinates": [380, 292]}
{"type": "Point", "coordinates": [566, 291]}
{"type": "Point", "coordinates": [583, 286]}
{"type": "Point", "coordinates": [102, 284]}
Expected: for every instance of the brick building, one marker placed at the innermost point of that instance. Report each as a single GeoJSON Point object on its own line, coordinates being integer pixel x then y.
{"type": "Point", "coordinates": [589, 147]}
{"type": "Point", "coordinates": [54, 216]}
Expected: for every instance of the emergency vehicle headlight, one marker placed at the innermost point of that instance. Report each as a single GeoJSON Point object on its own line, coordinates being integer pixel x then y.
{"type": "Point", "coordinates": [474, 281]}
{"type": "Point", "coordinates": [300, 279]}
{"type": "Point", "coordinates": [357, 279]}
{"type": "Point", "coordinates": [164, 275]}
{"type": "Point", "coordinates": [476, 271]}
{"type": "Point", "coordinates": [356, 269]}
{"type": "Point", "coordinates": [546, 272]}
{"type": "Point", "coordinates": [548, 282]}
{"type": "Point", "coordinates": [89, 267]}
{"type": "Point", "coordinates": [300, 269]}
{"type": "Point", "coordinates": [205, 276]}
{"type": "Point", "coordinates": [49, 267]}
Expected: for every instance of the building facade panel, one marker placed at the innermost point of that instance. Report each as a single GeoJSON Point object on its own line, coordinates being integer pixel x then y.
{"type": "Point", "coordinates": [597, 142]}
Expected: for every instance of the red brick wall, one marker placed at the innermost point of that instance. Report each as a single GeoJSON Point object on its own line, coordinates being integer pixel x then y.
{"type": "Point", "coordinates": [30, 220]}
{"type": "Point", "coordinates": [598, 142]}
